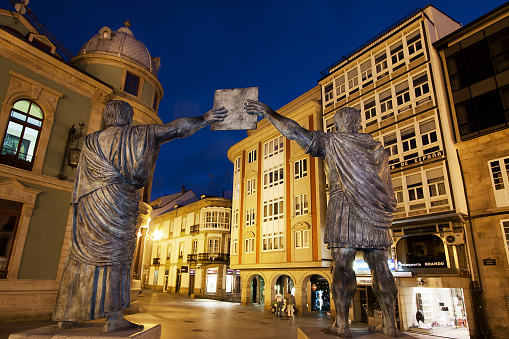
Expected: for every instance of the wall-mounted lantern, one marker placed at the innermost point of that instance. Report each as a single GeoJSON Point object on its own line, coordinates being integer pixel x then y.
{"type": "Point", "coordinates": [72, 151]}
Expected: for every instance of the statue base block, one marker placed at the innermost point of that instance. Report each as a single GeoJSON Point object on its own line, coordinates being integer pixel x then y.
{"type": "Point", "coordinates": [89, 330]}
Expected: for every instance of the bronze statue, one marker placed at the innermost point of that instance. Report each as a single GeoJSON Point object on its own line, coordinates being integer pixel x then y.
{"type": "Point", "coordinates": [115, 164]}
{"type": "Point", "coordinates": [360, 208]}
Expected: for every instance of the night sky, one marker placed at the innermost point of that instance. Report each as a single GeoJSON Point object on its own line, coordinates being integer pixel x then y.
{"type": "Point", "coordinates": [279, 46]}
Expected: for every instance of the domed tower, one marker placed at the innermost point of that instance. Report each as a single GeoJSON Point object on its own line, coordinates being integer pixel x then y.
{"type": "Point", "coordinates": [123, 62]}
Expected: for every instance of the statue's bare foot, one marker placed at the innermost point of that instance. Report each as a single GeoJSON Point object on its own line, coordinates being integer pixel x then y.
{"type": "Point", "coordinates": [67, 324]}
{"type": "Point", "coordinates": [342, 331]}
{"type": "Point", "coordinates": [120, 325]}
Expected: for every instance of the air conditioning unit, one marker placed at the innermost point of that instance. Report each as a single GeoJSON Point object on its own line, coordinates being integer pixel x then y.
{"type": "Point", "coordinates": [453, 238]}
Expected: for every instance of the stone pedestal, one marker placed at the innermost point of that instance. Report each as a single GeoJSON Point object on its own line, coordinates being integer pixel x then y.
{"type": "Point", "coordinates": [88, 330]}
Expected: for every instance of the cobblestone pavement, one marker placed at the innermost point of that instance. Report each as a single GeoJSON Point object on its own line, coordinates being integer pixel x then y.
{"type": "Point", "coordinates": [182, 317]}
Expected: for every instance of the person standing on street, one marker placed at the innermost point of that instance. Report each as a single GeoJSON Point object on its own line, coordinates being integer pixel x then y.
{"type": "Point", "coordinates": [279, 305]}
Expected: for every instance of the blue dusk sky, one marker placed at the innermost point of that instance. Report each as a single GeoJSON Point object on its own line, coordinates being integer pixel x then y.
{"type": "Point", "coordinates": [279, 46]}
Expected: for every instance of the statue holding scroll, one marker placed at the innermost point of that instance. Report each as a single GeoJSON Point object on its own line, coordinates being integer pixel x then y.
{"type": "Point", "coordinates": [115, 163]}
{"type": "Point", "coordinates": [360, 208]}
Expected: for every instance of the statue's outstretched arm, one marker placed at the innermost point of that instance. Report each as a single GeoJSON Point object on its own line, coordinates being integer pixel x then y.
{"type": "Point", "coordinates": [287, 127]}
{"type": "Point", "coordinates": [184, 127]}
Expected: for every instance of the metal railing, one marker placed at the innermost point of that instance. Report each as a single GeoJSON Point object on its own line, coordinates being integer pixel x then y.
{"type": "Point", "coordinates": [194, 229]}
{"type": "Point", "coordinates": [156, 261]}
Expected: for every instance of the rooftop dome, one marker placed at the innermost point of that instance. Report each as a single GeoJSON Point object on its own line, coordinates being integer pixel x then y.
{"type": "Point", "coordinates": [123, 44]}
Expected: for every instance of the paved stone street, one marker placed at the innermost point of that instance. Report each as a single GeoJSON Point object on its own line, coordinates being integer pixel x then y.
{"type": "Point", "coordinates": [182, 317]}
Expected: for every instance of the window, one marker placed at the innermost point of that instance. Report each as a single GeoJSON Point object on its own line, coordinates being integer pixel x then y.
{"type": "Point", "coordinates": [340, 86]}
{"type": "Point", "coordinates": [328, 92]}
{"type": "Point", "coordinates": [391, 147]}
{"type": "Point", "coordinates": [369, 110]}
{"type": "Point", "coordinates": [366, 73]}
{"type": "Point", "coordinates": [235, 221]}
{"type": "Point", "coordinates": [235, 246]}
{"type": "Point", "coordinates": [236, 190]}
{"type": "Point", "coordinates": [402, 93]}
{"type": "Point", "coordinates": [301, 204]}
{"type": "Point", "coordinates": [194, 247]}
{"type": "Point", "coordinates": [302, 239]}
{"type": "Point", "coordinates": [23, 130]}
{"type": "Point", "coordinates": [249, 245]}
{"type": "Point", "coordinates": [251, 186]}
{"type": "Point", "coordinates": [421, 87]}
{"type": "Point", "coordinates": [505, 233]}
{"type": "Point", "coordinates": [214, 245]}
{"type": "Point", "coordinates": [170, 232]}
{"type": "Point", "coordinates": [428, 133]}
{"type": "Point", "coordinates": [499, 169]}
{"type": "Point", "coordinates": [236, 165]}
{"type": "Point", "coordinates": [273, 209]}
{"type": "Point", "coordinates": [181, 250]}
{"type": "Point", "coordinates": [436, 182]}
{"type": "Point", "coordinates": [273, 147]}
{"type": "Point", "coordinates": [250, 216]}
{"type": "Point", "coordinates": [183, 224]}
{"type": "Point", "coordinates": [251, 156]}
{"type": "Point", "coordinates": [353, 80]}
{"type": "Point", "coordinates": [168, 253]}
{"type": "Point", "coordinates": [329, 125]}
{"type": "Point", "coordinates": [10, 213]}
{"type": "Point", "coordinates": [132, 84]}
{"type": "Point", "coordinates": [216, 218]}
{"type": "Point", "coordinates": [414, 43]}
{"type": "Point", "coordinates": [397, 54]}
{"type": "Point", "coordinates": [499, 48]}
{"type": "Point", "coordinates": [273, 176]}
{"type": "Point", "coordinates": [301, 168]}
{"type": "Point", "coordinates": [398, 190]}
{"type": "Point", "coordinates": [155, 103]}
{"type": "Point", "coordinates": [273, 241]}
{"type": "Point", "coordinates": [386, 104]}
{"type": "Point", "coordinates": [381, 65]}
{"type": "Point", "coordinates": [414, 187]}
{"type": "Point", "coordinates": [408, 139]}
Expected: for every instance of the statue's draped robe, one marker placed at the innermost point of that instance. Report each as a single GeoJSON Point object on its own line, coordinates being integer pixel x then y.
{"type": "Point", "coordinates": [114, 164]}
{"type": "Point", "coordinates": [361, 197]}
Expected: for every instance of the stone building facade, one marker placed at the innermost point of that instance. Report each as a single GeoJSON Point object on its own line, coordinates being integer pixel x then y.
{"type": "Point", "coordinates": [187, 251]}
{"type": "Point", "coordinates": [475, 64]}
{"type": "Point", "coordinates": [45, 97]}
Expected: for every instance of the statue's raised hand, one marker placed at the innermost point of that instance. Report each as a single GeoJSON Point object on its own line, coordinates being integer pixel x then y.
{"type": "Point", "coordinates": [215, 115]}
{"type": "Point", "coordinates": [257, 108]}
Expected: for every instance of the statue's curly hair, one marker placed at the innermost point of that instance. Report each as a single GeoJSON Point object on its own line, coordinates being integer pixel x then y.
{"type": "Point", "coordinates": [117, 113]}
{"type": "Point", "coordinates": [347, 119]}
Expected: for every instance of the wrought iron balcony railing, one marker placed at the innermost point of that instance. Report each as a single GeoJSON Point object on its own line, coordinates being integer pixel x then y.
{"type": "Point", "coordinates": [156, 261]}
{"type": "Point", "coordinates": [208, 257]}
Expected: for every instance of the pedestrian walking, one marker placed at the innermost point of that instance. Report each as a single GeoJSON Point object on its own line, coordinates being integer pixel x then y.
{"type": "Point", "coordinates": [279, 305]}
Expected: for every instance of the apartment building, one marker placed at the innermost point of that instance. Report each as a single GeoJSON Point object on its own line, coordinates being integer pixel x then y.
{"type": "Point", "coordinates": [475, 62]}
{"type": "Point", "coordinates": [278, 213]}
{"type": "Point", "coordinates": [189, 246]}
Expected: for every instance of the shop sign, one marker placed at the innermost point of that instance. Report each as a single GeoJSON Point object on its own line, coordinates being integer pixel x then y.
{"type": "Point", "coordinates": [489, 262]}
{"type": "Point", "coordinates": [419, 159]}
{"type": "Point", "coordinates": [364, 281]}
{"type": "Point", "coordinates": [192, 271]}
{"type": "Point", "coordinates": [229, 272]}
{"type": "Point", "coordinates": [422, 264]}
{"type": "Point", "coordinates": [362, 266]}
{"type": "Point", "coordinates": [184, 269]}
{"type": "Point", "coordinates": [238, 272]}
{"type": "Point", "coordinates": [212, 270]}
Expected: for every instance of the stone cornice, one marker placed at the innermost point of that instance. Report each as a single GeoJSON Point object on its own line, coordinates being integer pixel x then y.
{"type": "Point", "coordinates": [35, 178]}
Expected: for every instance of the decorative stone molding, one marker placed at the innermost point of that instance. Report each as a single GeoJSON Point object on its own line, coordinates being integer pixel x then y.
{"type": "Point", "coordinates": [13, 190]}
{"type": "Point", "coordinates": [22, 87]}
{"type": "Point", "coordinates": [249, 235]}
{"type": "Point", "coordinates": [301, 225]}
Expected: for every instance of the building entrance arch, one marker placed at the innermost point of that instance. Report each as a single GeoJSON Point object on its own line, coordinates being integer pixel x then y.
{"type": "Point", "coordinates": [256, 293]}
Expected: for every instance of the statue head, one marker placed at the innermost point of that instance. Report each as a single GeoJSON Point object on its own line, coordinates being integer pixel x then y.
{"type": "Point", "coordinates": [118, 113]}
{"type": "Point", "coordinates": [347, 120]}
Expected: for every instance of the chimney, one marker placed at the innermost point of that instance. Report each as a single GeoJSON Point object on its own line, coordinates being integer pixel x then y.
{"type": "Point", "coordinates": [183, 189]}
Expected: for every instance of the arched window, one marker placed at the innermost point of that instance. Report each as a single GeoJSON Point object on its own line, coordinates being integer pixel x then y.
{"type": "Point", "coordinates": [23, 130]}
